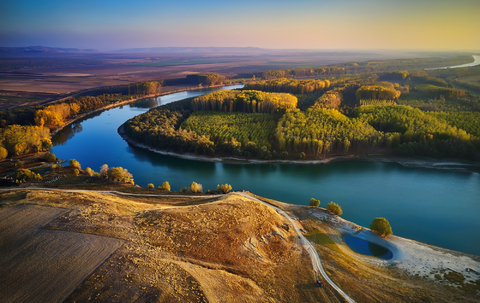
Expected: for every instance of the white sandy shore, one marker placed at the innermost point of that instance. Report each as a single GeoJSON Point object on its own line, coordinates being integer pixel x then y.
{"type": "Point", "coordinates": [414, 257]}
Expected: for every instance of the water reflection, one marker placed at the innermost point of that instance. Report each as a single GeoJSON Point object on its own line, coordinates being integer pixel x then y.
{"type": "Point", "coordinates": [145, 103]}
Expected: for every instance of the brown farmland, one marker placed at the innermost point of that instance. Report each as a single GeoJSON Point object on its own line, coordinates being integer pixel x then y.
{"type": "Point", "coordinates": [39, 265]}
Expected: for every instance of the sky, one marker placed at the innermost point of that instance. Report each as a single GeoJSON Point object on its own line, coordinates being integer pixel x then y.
{"type": "Point", "coordinates": [438, 25]}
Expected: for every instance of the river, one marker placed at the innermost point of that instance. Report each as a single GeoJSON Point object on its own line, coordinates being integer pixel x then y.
{"type": "Point", "coordinates": [435, 206]}
{"type": "Point", "coordinates": [476, 61]}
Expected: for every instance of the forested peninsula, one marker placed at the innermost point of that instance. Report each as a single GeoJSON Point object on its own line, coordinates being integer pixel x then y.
{"type": "Point", "coordinates": [395, 113]}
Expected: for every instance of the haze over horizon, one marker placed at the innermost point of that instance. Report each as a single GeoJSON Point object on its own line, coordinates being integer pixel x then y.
{"type": "Point", "coordinates": [437, 25]}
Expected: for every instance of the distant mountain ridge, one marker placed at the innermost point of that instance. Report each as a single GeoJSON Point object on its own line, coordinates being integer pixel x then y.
{"type": "Point", "coordinates": [45, 49]}
{"type": "Point", "coordinates": [195, 50]}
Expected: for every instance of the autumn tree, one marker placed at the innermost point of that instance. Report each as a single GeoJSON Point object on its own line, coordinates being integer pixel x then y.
{"type": "Point", "coordinates": [50, 157]}
{"type": "Point", "coordinates": [224, 188]}
{"type": "Point", "coordinates": [166, 186]}
{"type": "Point", "coordinates": [196, 188]}
{"type": "Point", "coordinates": [314, 202]}
{"type": "Point", "coordinates": [74, 163]}
{"type": "Point", "coordinates": [334, 208]}
{"type": "Point", "coordinates": [104, 171]}
{"type": "Point", "coordinates": [3, 153]}
{"type": "Point", "coordinates": [381, 226]}
{"type": "Point", "coordinates": [150, 185]}
{"type": "Point", "coordinates": [89, 171]}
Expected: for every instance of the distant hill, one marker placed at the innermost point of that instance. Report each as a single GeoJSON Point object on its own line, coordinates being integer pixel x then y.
{"type": "Point", "coordinates": [43, 49]}
{"type": "Point", "coordinates": [196, 50]}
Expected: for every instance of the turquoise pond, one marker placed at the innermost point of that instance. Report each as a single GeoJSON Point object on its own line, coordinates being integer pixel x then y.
{"type": "Point", "coordinates": [367, 248]}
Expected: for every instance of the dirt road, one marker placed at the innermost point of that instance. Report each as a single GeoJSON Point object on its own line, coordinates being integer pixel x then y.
{"type": "Point", "coordinates": [316, 262]}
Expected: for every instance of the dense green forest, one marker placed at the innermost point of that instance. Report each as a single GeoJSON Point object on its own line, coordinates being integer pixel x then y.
{"type": "Point", "coordinates": [248, 101]}
{"type": "Point", "coordinates": [291, 86]}
{"type": "Point", "coordinates": [320, 131]}
{"type": "Point", "coordinates": [411, 113]}
{"type": "Point", "coordinates": [221, 128]}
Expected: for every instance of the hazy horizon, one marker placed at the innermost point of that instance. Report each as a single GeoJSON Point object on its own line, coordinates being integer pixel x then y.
{"type": "Point", "coordinates": [368, 25]}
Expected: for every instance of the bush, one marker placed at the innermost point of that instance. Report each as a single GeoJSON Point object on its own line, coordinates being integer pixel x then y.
{"type": "Point", "coordinates": [74, 163]}
{"type": "Point", "coordinates": [334, 208]}
{"type": "Point", "coordinates": [301, 156]}
{"type": "Point", "coordinates": [56, 166]}
{"type": "Point", "coordinates": [150, 185]}
{"type": "Point", "coordinates": [89, 171]}
{"type": "Point", "coordinates": [183, 190]}
{"type": "Point", "coordinates": [196, 188]}
{"type": "Point", "coordinates": [166, 186]}
{"type": "Point", "coordinates": [23, 175]}
{"type": "Point", "coordinates": [3, 153]}
{"type": "Point", "coordinates": [381, 227]}
{"type": "Point", "coordinates": [50, 157]}
{"type": "Point", "coordinates": [314, 202]}
{"type": "Point", "coordinates": [20, 163]}
{"type": "Point", "coordinates": [76, 172]}
{"type": "Point", "coordinates": [225, 188]}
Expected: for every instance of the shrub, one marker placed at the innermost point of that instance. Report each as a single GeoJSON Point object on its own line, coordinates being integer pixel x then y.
{"type": "Point", "coordinates": [196, 187]}
{"type": "Point", "coordinates": [55, 166]}
{"type": "Point", "coordinates": [314, 202]}
{"type": "Point", "coordinates": [20, 163]}
{"type": "Point", "coordinates": [23, 175]}
{"type": "Point", "coordinates": [50, 157]}
{"type": "Point", "coordinates": [225, 188]}
{"type": "Point", "coordinates": [334, 208]}
{"type": "Point", "coordinates": [3, 153]}
{"type": "Point", "coordinates": [89, 171]}
{"type": "Point", "coordinates": [119, 174]}
{"type": "Point", "coordinates": [381, 227]}
{"type": "Point", "coordinates": [183, 190]}
{"type": "Point", "coordinates": [76, 172]}
{"type": "Point", "coordinates": [301, 156]}
{"type": "Point", "coordinates": [150, 185]}
{"type": "Point", "coordinates": [74, 163]}
{"type": "Point", "coordinates": [166, 186]}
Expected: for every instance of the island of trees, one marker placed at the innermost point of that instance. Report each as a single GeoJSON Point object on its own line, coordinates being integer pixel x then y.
{"type": "Point", "coordinates": [405, 113]}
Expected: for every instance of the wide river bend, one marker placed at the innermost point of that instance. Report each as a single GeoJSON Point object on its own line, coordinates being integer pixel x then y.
{"type": "Point", "coordinates": [439, 207]}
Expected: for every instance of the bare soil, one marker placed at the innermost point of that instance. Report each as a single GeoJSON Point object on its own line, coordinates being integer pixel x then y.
{"type": "Point", "coordinates": [39, 265]}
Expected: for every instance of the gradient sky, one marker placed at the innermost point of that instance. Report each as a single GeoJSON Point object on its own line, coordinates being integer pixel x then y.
{"type": "Point", "coordinates": [311, 24]}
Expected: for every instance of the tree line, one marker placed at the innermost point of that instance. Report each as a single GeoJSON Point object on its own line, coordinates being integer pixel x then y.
{"type": "Point", "coordinates": [291, 86]}
{"type": "Point", "coordinates": [322, 71]}
{"type": "Point", "coordinates": [19, 140]}
{"type": "Point", "coordinates": [248, 101]}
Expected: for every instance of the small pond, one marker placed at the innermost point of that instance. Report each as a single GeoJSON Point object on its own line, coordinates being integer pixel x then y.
{"type": "Point", "coordinates": [367, 248]}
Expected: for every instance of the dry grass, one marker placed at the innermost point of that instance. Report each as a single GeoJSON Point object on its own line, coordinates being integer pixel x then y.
{"type": "Point", "coordinates": [228, 249]}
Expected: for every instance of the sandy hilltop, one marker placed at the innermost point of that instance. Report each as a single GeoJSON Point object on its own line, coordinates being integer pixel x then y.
{"type": "Point", "coordinates": [116, 243]}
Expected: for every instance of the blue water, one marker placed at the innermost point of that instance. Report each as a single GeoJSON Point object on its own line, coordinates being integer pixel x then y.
{"type": "Point", "coordinates": [438, 207]}
{"type": "Point", "coordinates": [367, 248]}
{"type": "Point", "coordinates": [476, 61]}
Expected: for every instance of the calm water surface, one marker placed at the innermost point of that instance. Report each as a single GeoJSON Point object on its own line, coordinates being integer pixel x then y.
{"type": "Point", "coordinates": [474, 63]}
{"type": "Point", "coordinates": [438, 207]}
{"type": "Point", "coordinates": [367, 248]}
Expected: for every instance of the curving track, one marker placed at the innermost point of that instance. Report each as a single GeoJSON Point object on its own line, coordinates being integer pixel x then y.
{"type": "Point", "coordinates": [316, 262]}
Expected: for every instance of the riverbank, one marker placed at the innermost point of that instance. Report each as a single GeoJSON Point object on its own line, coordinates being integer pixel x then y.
{"type": "Point", "coordinates": [234, 240]}
{"type": "Point", "coordinates": [409, 162]}
{"type": "Point", "coordinates": [125, 102]}
{"type": "Point", "coordinates": [416, 258]}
